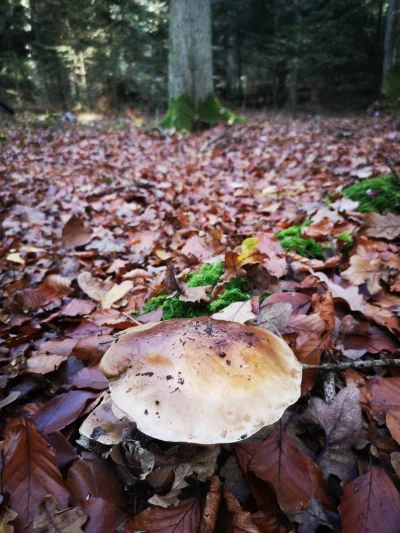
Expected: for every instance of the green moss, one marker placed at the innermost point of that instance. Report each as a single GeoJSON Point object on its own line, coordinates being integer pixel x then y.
{"type": "Point", "coordinates": [236, 291]}
{"type": "Point", "coordinates": [291, 239]}
{"type": "Point", "coordinates": [184, 115]}
{"type": "Point", "coordinates": [345, 237]}
{"type": "Point", "coordinates": [209, 274]}
{"type": "Point", "coordinates": [388, 197]}
{"type": "Point", "coordinates": [180, 114]}
{"type": "Point", "coordinates": [264, 296]}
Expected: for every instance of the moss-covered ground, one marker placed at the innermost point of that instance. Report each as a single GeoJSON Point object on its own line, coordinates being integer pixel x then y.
{"type": "Point", "coordinates": [292, 240]}
{"type": "Point", "coordinates": [236, 290]}
{"type": "Point", "coordinates": [385, 197]}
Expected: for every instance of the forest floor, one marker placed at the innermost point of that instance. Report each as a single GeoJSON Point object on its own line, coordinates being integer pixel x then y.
{"type": "Point", "coordinates": [97, 221]}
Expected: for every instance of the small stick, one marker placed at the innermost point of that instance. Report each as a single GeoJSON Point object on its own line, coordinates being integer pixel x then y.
{"type": "Point", "coordinates": [341, 365]}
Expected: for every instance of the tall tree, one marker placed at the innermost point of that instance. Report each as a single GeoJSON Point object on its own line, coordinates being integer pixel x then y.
{"type": "Point", "coordinates": [190, 72]}
{"type": "Point", "coordinates": [391, 35]}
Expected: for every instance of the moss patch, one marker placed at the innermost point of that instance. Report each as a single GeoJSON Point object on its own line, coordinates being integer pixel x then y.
{"type": "Point", "coordinates": [291, 239]}
{"type": "Point", "coordinates": [236, 291]}
{"type": "Point", "coordinates": [388, 197]}
{"type": "Point", "coordinates": [184, 115]}
{"type": "Point", "coordinates": [209, 274]}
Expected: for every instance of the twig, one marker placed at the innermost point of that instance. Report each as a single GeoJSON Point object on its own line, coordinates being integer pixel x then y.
{"type": "Point", "coordinates": [341, 365]}
{"type": "Point", "coordinates": [390, 164]}
{"type": "Point", "coordinates": [213, 140]}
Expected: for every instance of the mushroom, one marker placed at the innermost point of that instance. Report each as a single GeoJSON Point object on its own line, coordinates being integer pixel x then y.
{"type": "Point", "coordinates": [201, 380]}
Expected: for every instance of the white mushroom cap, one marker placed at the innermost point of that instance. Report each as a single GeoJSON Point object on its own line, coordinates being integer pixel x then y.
{"type": "Point", "coordinates": [201, 380]}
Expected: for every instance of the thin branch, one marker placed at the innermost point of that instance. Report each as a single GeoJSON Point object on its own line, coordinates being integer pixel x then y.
{"type": "Point", "coordinates": [341, 365]}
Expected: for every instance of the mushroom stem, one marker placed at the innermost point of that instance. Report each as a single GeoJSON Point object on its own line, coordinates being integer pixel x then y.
{"type": "Point", "coordinates": [341, 365]}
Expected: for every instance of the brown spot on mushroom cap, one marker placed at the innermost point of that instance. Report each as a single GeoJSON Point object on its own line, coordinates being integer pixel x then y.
{"type": "Point", "coordinates": [214, 398]}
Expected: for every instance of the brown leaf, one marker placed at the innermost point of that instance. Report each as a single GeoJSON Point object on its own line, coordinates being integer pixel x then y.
{"type": "Point", "coordinates": [75, 234]}
{"type": "Point", "coordinates": [196, 247]}
{"type": "Point", "coordinates": [393, 423]}
{"type": "Point", "coordinates": [240, 521]}
{"type": "Point", "coordinates": [30, 472]}
{"type": "Point", "coordinates": [382, 226]}
{"type": "Point", "coordinates": [100, 292]}
{"type": "Point", "coordinates": [62, 410]}
{"type": "Point", "coordinates": [78, 307]}
{"type": "Point", "coordinates": [350, 295]}
{"type": "Point", "coordinates": [341, 421]}
{"type": "Point", "coordinates": [53, 288]}
{"type": "Point", "coordinates": [104, 516]}
{"type": "Point", "coordinates": [273, 317]}
{"type": "Point", "coordinates": [370, 503]}
{"type": "Point", "coordinates": [294, 476]}
{"type": "Point", "coordinates": [212, 503]}
{"type": "Point", "coordinates": [366, 271]}
{"type": "Point", "coordinates": [7, 516]}
{"type": "Point", "coordinates": [318, 230]}
{"type": "Point", "coordinates": [93, 476]}
{"type": "Point", "coordinates": [385, 394]}
{"type": "Point", "coordinates": [49, 520]}
{"type": "Point", "coordinates": [196, 294]}
{"type": "Point", "coordinates": [43, 364]}
{"type": "Point", "coordinates": [184, 518]}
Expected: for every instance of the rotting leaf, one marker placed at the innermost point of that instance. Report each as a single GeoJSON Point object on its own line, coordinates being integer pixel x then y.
{"type": "Point", "coordinates": [49, 520]}
{"type": "Point", "coordinates": [6, 516]}
{"type": "Point", "coordinates": [273, 317]}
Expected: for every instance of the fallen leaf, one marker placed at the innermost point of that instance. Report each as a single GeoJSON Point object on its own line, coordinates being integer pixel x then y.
{"type": "Point", "coordinates": [62, 410]}
{"type": "Point", "coordinates": [196, 294]}
{"type": "Point", "coordinates": [97, 290]}
{"type": "Point", "coordinates": [393, 423]}
{"type": "Point", "coordinates": [49, 520]}
{"type": "Point", "coordinates": [236, 312]}
{"type": "Point", "coordinates": [382, 226]}
{"type": "Point", "coordinates": [370, 503]}
{"type": "Point", "coordinates": [53, 287]}
{"type": "Point", "coordinates": [350, 294]}
{"type": "Point", "coordinates": [43, 364]}
{"type": "Point", "coordinates": [341, 421]}
{"type": "Point", "coordinates": [212, 504]}
{"type": "Point", "coordinates": [30, 472]}
{"type": "Point", "coordinates": [75, 233]}
{"type": "Point", "coordinates": [7, 516]}
{"type": "Point", "coordinates": [363, 271]}
{"type": "Point", "coordinates": [273, 317]}
{"type": "Point", "coordinates": [240, 521]}
{"type": "Point", "coordinates": [184, 518]}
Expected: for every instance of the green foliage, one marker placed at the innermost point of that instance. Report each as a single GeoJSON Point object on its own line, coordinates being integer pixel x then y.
{"type": "Point", "coordinates": [388, 197]}
{"type": "Point", "coordinates": [345, 237]}
{"type": "Point", "coordinates": [236, 291]}
{"type": "Point", "coordinates": [209, 274]}
{"type": "Point", "coordinates": [180, 114]}
{"type": "Point", "coordinates": [391, 86]}
{"type": "Point", "coordinates": [291, 239]}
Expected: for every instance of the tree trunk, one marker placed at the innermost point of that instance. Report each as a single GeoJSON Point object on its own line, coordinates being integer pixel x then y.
{"type": "Point", "coordinates": [190, 76]}
{"type": "Point", "coordinates": [392, 27]}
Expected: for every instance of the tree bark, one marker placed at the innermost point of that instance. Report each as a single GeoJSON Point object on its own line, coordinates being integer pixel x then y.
{"type": "Point", "coordinates": [190, 73]}
{"type": "Point", "coordinates": [392, 27]}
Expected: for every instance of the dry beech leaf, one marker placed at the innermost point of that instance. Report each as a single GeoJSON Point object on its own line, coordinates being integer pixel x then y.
{"type": "Point", "coordinates": [341, 421]}
{"type": "Point", "coordinates": [370, 503]}
{"type": "Point", "coordinates": [273, 317]}
{"type": "Point", "coordinates": [43, 364]}
{"type": "Point", "coordinates": [49, 520]}
{"type": "Point", "coordinates": [75, 233]}
{"type": "Point", "coordinates": [236, 312]}
{"type": "Point", "coordinates": [6, 516]}
{"type": "Point", "coordinates": [184, 518]}
{"type": "Point", "coordinates": [366, 271]}
{"type": "Point", "coordinates": [350, 294]}
{"type": "Point", "coordinates": [212, 504]}
{"type": "Point", "coordinates": [196, 294]}
{"type": "Point", "coordinates": [240, 521]}
{"type": "Point", "coordinates": [53, 288]}
{"type": "Point", "coordinates": [96, 290]}
{"type": "Point", "coordinates": [382, 226]}
{"type": "Point", "coordinates": [295, 478]}
{"type": "Point", "coordinates": [30, 472]}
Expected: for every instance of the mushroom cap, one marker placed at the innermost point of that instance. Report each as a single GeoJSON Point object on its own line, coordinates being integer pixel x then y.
{"type": "Point", "coordinates": [201, 380]}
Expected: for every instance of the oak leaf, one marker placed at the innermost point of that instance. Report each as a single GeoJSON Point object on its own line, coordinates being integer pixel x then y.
{"type": "Point", "coordinates": [363, 271]}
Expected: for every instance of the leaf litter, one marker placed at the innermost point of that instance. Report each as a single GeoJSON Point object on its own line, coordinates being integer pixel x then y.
{"type": "Point", "coordinates": [107, 230]}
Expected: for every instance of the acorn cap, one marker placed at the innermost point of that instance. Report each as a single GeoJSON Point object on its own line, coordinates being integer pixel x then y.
{"type": "Point", "coordinates": [201, 380]}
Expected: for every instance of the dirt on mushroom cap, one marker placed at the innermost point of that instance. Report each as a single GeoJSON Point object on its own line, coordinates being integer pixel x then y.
{"type": "Point", "coordinates": [201, 380]}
